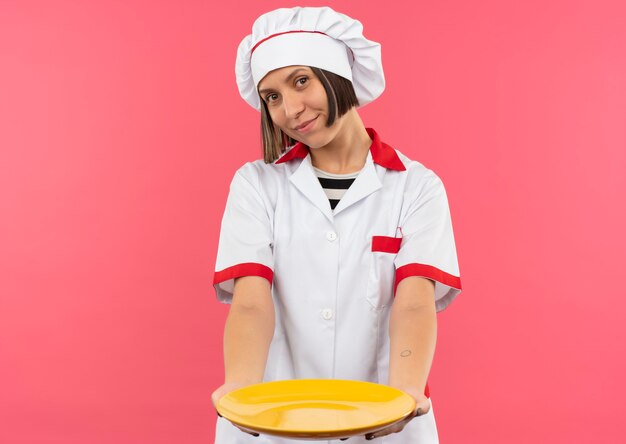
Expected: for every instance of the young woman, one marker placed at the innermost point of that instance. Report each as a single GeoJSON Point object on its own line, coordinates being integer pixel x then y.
{"type": "Point", "coordinates": [337, 250]}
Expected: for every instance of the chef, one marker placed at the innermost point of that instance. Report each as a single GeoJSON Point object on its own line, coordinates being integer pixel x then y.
{"type": "Point", "coordinates": [336, 250]}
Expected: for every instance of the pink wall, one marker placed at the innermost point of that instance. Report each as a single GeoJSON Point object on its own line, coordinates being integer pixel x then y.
{"type": "Point", "coordinates": [121, 126]}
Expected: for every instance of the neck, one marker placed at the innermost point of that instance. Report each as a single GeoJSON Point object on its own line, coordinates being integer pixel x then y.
{"type": "Point", "coordinates": [347, 152]}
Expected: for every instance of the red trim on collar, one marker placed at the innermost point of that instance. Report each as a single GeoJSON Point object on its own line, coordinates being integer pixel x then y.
{"type": "Point", "coordinates": [382, 154]}
{"type": "Point", "coordinates": [299, 151]}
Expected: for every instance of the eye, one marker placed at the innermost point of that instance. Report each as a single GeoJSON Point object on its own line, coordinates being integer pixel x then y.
{"type": "Point", "coordinates": [271, 97]}
{"type": "Point", "coordinates": [302, 80]}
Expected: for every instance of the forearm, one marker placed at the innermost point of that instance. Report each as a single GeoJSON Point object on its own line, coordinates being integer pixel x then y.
{"type": "Point", "coordinates": [413, 333]}
{"type": "Point", "coordinates": [248, 333]}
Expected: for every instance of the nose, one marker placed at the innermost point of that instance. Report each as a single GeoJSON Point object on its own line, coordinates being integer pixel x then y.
{"type": "Point", "coordinates": [293, 104]}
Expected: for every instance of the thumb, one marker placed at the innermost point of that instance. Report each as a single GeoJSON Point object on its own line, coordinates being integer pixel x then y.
{"type": "Point", "coordinates": [422, 407]}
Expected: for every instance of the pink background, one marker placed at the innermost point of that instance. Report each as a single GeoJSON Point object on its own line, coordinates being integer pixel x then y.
{"type": "Point", "coordinates": [121, 127]}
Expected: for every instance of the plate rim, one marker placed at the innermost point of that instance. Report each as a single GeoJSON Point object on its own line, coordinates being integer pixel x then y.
{"type": "Point", "coordinates": [319, 434]}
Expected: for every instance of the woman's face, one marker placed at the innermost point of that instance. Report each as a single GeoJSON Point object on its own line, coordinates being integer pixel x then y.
{"type": "Point", "coordinates": [298, 104]}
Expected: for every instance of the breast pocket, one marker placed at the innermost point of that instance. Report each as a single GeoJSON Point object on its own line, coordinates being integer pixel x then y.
{"type": "Point", "coordinates": [382, 270]}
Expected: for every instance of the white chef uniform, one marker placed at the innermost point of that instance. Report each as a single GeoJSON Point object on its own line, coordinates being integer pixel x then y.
{"type": "Point", "coordinates": [334, 273]}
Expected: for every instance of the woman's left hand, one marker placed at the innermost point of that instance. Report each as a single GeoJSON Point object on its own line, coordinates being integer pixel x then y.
{"type": "Point", "coordinates": [422, 407]}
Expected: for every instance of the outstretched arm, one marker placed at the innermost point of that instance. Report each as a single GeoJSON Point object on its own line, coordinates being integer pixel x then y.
{"type": "Point", "coordinates": [247, 334]}
{"type": "Point", "coordinates": [413, 335]}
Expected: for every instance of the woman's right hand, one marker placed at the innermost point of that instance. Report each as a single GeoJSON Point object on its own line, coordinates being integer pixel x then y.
{"type": "Point", "coordinates": [224, 389]}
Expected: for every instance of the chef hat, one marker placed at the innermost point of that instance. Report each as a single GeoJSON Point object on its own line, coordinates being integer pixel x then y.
{"type": "Point", "coordinates": [318, 37]}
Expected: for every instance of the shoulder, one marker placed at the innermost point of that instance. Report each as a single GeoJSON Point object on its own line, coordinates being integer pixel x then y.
{"type": "Point", "coordinates": [419, 179]}
{"type": "Point", "coordinates": [264, 180]}
{"type": "Point", "coordinates": [259, 173]}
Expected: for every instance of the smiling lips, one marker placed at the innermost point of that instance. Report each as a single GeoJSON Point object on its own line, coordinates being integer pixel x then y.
{"type": "Point", "coordinates": [305, 126]}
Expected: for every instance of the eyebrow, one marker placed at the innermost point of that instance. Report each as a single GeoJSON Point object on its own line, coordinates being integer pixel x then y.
{"type": "Point", "coordinates": [287, 79]}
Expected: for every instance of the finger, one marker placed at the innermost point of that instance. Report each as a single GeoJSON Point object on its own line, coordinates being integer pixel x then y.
{"type": "Point", "coordinates": [245, 430]}
{"type": "Point", "coordinates": [421, 411]}
{"type": "Point", "coordinates": [422, 408]}
{"type": "Point", "coordinates": [380, 434]}
{"type": "Point", "coordinates": [388, 431]}
{"type": "Point", "coordinates": [248, 431]}
{"type": "Point", "coordinates": [215, 399]}
{"type": "Point", "coordinates": [396, 428]}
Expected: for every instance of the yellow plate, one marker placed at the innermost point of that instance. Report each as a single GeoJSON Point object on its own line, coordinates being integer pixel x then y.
{"type": "Point", "coordinates": [315, 408]}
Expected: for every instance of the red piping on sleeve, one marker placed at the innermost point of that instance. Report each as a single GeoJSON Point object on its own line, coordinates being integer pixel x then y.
{"type": "Point", "coordinates": [427, 271]}
{"type": "Point", "coordinates": [246, 269]}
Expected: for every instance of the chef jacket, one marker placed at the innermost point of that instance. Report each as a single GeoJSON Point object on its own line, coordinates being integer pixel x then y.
{"type": "Point", "coordinates": [334, 273]}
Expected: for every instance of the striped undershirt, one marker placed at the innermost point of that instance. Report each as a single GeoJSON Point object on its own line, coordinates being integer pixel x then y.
{"type": "Point", "coordinates": [335, 185]}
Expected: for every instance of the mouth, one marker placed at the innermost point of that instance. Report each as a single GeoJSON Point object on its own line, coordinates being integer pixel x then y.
{"type": "Point", "coordinates": [304, 127]}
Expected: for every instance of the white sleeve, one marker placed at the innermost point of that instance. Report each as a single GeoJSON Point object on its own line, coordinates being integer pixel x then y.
{"type": "Point", "coordinates": [427, 247]}
{"type": "Point", "coordinates": [245, 243]}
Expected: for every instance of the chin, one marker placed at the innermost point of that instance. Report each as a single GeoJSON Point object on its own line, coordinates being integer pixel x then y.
{"type": "Point", "coordinates": [315, 141]}
{"type": "Point", "coordinates": [319, 139]}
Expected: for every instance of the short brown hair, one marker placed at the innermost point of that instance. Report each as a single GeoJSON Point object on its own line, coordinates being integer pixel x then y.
{"type": "Point", "coordinates": [341, 97]}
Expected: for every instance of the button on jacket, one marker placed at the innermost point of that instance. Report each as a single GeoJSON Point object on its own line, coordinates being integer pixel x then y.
{"type": "Point", "coordinates": [334, 273]}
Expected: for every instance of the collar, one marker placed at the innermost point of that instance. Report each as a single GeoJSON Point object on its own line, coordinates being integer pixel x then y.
{"type": "Point", "coordinates": [382, 154]}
